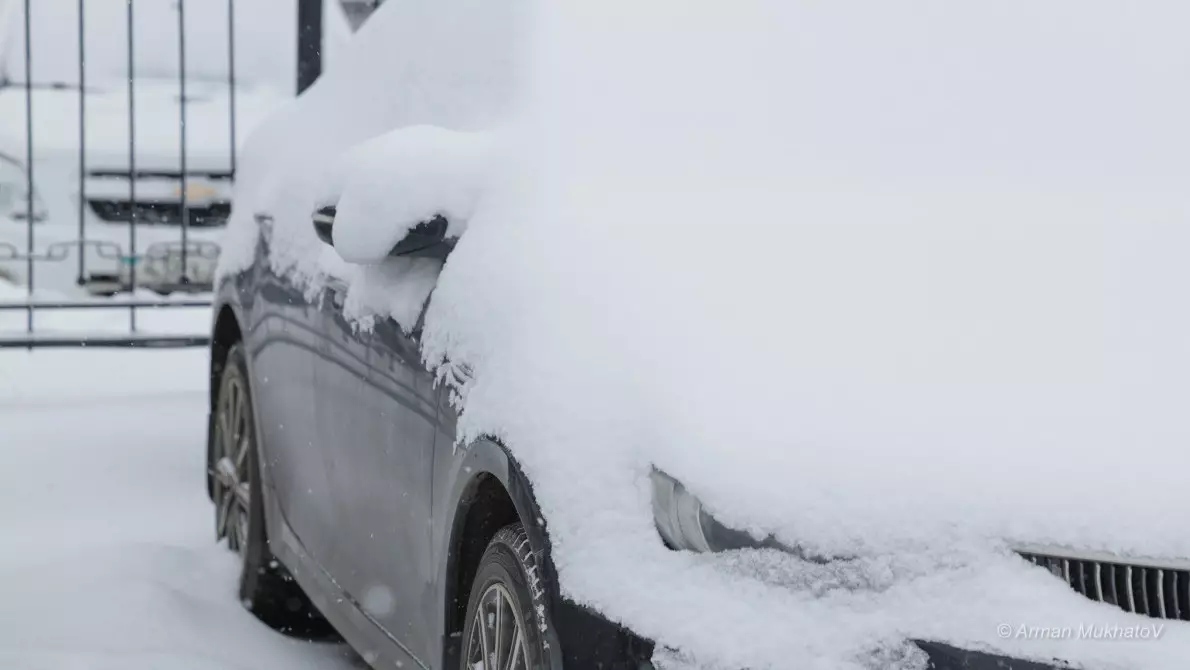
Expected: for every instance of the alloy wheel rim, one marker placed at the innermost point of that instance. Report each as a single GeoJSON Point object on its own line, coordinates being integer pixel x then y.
{"type": "Point", "coordinates": [232, 491]}
{"type": "Point", "coordinates": [497, 639]}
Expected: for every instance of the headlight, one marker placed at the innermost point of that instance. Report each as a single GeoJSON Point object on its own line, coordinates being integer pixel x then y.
{"type": "Point", "coordinates": [684, 524]}
{"type": "Point", "coordinates": [14, 192]}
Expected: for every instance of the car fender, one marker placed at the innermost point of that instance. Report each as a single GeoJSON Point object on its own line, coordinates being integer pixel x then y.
{"type": "Point", "coordinates": [578, 637]}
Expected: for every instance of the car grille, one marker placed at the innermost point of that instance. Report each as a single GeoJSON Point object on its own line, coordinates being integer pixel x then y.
{"type": "Point", "coordinates": [1148, 589]}
{"type": "Point", "coordinates": [165, 213]}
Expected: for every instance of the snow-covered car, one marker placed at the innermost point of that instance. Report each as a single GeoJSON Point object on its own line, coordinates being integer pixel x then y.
{"type": "Point", "coordinates": [772, 334]}
{"type": "Point", "coordinates": [91, 195]}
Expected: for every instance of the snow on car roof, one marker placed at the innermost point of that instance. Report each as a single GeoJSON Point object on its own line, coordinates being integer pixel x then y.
{"type": "Point", "coordinates": [897, 284]}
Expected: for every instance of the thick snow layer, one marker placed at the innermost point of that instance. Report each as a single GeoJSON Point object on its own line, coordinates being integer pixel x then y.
{"type": "Point", "coordinates": [396, 72]}
{"type": "Point", "coordinates": [397, 289]}
{"type": "Point", "coordinates": [109, 560]}
{"type": "Point", "coordinates": [896, 283]}
{"type": "Point", "coordinates": [386, 186]}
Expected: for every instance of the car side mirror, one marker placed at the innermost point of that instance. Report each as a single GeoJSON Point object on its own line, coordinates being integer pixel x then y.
{"type": "Point", "coordinates": [324, 221]}
{"type": "Point", "coordinates": [425, 240]}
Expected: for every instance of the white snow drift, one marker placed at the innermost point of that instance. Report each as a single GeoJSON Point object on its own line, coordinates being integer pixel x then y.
{"type": "Point", "coordinates": [386, 186]}
{"type": "Point", "coordinates": [108, 560]}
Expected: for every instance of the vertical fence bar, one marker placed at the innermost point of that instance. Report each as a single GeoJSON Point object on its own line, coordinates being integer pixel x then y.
{"type": "Point", "coordinates": [231, 81]}
{"type": "Point", "coordinates": [82, 145]}
{"type": "Point", "coordinates": [131, 164]}
{"type": "Point", "coordinates": [29, 163]}
{"type": "Point", "coordinates": [184, 205]}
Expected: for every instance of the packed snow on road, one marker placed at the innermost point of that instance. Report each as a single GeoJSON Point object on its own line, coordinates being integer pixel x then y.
{"type": "Point", "coordinates": [109, 560]}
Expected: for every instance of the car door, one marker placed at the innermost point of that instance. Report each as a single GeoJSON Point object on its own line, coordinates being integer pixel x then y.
{"type": "Point", "coordinates": [340, 414]}
{"type": "Point", "coordinates": [283, 330]}
{"type": "Point", "coordinates": [381, 466]}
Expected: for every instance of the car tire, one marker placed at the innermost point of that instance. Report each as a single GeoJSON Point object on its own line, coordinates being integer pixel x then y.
{"type": "Point", "coordinates": [508, 587]}
{"type": "Point", "coordinates": [266, 587]}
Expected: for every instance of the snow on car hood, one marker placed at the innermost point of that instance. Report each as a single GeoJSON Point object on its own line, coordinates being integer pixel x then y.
{"type": "Point", "coordinates": [899, 287]}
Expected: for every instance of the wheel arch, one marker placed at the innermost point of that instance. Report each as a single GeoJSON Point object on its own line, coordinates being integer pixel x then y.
{"type": "Point", "coordinates": [491, 492]}
{"type": "Point", "coordinates": [494, 492]}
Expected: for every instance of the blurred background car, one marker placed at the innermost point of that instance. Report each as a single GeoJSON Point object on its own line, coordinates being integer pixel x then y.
{"type": "Point", "coordinates": [89, 82]}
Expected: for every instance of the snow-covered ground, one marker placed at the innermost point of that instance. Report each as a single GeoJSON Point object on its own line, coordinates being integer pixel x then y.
{"type": "Point", "coordinates": [108, 559]}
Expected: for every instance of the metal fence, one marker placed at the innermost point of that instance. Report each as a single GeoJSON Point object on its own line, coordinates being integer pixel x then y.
{"type": "Point", "coordinates": [134, 227]}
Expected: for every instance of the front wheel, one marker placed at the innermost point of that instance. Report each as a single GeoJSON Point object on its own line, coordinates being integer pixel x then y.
{"type": "Point", "coordinates": [507, 617]}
